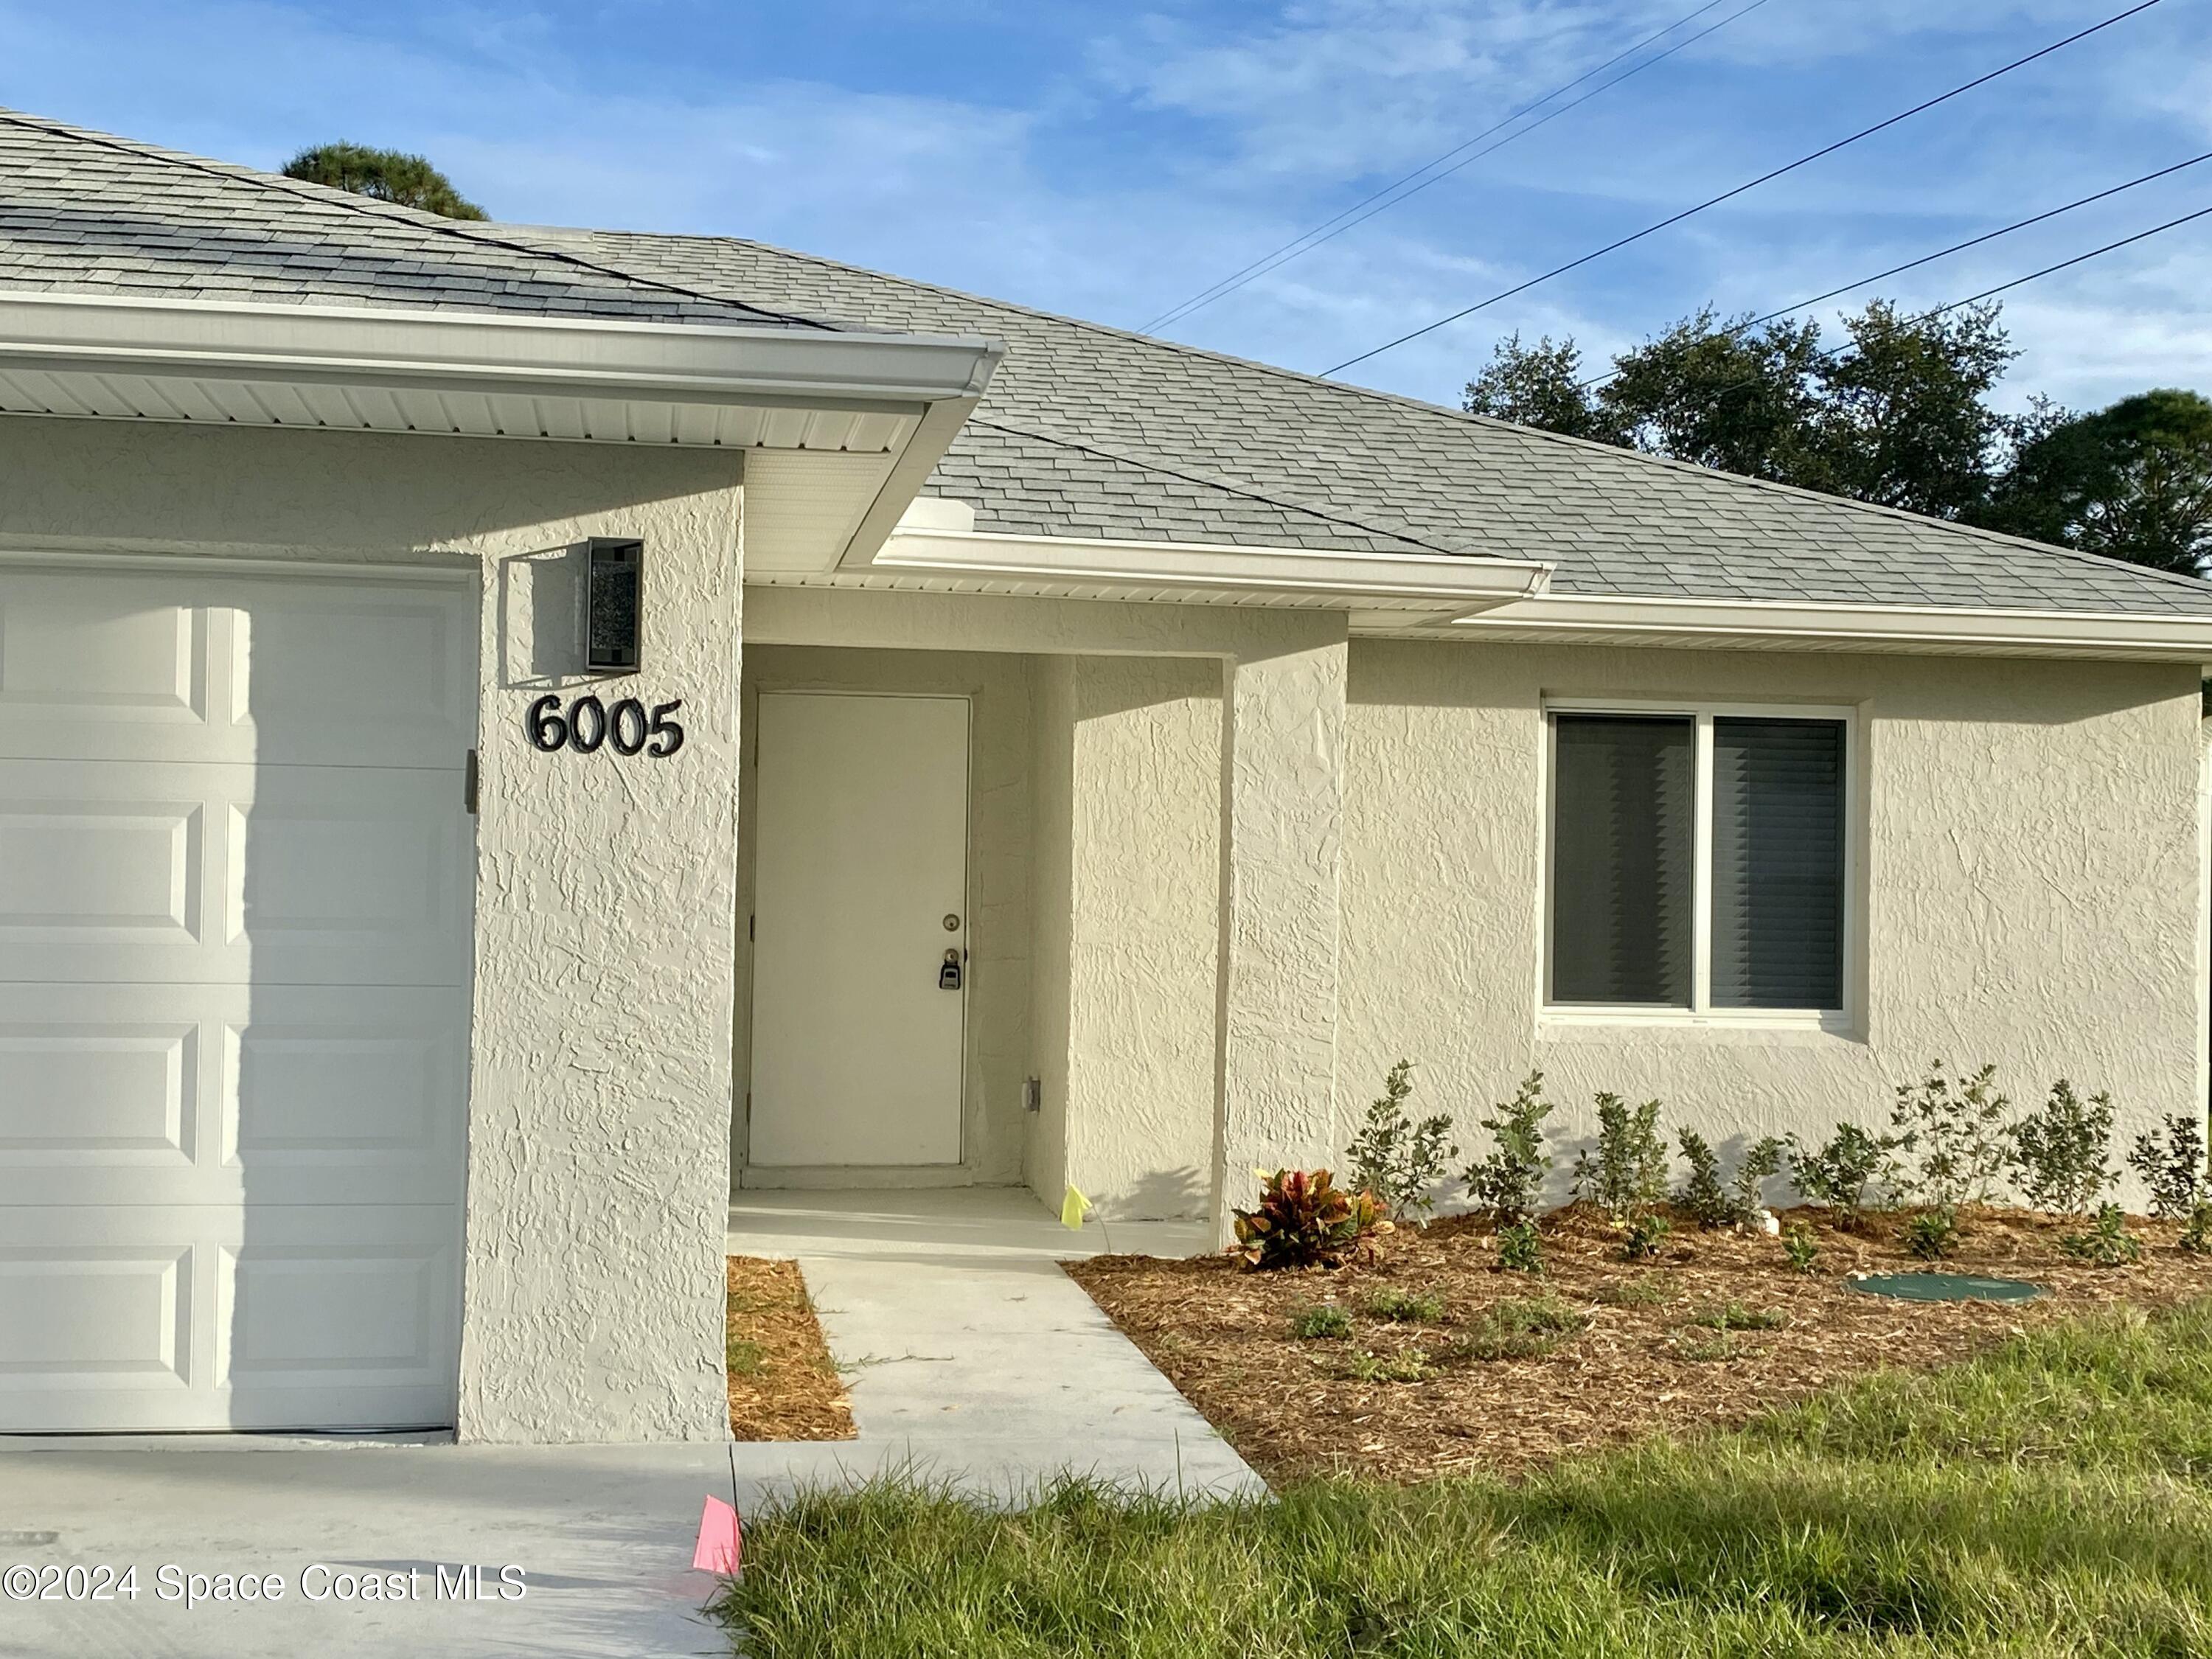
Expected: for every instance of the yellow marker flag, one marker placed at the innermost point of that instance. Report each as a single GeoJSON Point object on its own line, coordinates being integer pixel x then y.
{"type": "Point", "coordinates": [1072, 1208]}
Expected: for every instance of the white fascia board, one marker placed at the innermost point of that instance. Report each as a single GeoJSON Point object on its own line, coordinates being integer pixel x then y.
{"type": "Point", "coordinates": [487, 352]}
{"type": "Point", "coordinates": [1790, 624]}
{"type": "Point", "coordinates": [1437, 581]}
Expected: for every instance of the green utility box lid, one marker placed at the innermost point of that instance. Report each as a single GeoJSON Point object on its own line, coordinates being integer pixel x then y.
{"type": "Point", "coordinates": [1945, 1287]}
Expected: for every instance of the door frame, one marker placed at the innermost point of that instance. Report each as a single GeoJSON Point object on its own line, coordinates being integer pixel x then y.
{"type": "Point", "coordinates": [744, 1172]}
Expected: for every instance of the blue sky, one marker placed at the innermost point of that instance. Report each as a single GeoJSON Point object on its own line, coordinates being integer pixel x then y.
{"type": "Point", "coordinates": [1110, 160]}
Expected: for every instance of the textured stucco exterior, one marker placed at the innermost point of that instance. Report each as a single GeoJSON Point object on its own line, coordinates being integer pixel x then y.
{"type": "Point", "coordinates": [1127, 773]}
{"type": "Point", "coordinates": [996, 1040]}
{"type": "Point", "coordinates": [2031, 891]}
{"type": "Point", "coordinates": [600, 1077]}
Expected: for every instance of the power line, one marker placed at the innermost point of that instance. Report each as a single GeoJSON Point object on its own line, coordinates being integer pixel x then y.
{"type": "Point", "coordinates": [1941, 253]}
{"type": "Point", "coordinates": [1330, 230]}
{"type": "Point", "coordinates": [1752, 183]}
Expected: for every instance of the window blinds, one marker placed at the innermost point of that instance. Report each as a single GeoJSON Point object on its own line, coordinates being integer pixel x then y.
{"type": "Point", "coordinates": [1777, 882]}
{"type": "Point", "coordinates": [1622, 859]}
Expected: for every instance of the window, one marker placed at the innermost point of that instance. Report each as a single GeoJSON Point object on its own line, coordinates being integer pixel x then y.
{"type": "Point", "coordinates": [1698, 860]}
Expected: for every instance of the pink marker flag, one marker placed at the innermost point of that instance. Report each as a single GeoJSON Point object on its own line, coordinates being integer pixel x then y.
{"type": "Point", "coordinates": [722, 1538]}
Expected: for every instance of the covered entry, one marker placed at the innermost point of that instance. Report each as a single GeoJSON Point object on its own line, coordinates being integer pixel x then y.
{"type": "Point", "coordinates": [236, 868]}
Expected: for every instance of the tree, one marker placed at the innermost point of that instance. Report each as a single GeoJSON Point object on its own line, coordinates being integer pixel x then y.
{"type": "Point", "coordinates": [388, 175]}
{"type": "Point", "coordinates": [2132, 482]}
{"type": "Point", "coordinates": [1896, 416]}
{"type": "Point", "coordinates": [1540, 385]}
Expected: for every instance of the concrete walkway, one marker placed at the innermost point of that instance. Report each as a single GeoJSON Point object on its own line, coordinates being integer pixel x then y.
{"type": "Point", "coordinates": [969, 1351]}
{"type": "Point", "coordinates": [977, 1358]}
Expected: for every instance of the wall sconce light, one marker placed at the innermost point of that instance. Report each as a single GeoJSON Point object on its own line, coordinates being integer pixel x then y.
{"type": "Point", "coordinates": [614, 595]}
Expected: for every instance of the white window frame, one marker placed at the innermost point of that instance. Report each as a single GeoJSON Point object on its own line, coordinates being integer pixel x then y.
{"type": "Point", "coordinates": [1700, 1013]}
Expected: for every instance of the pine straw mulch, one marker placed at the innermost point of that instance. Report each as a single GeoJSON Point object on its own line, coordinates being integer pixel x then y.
{"type": "Point", "coordinates": [783, 1384]}
{"type": "Point", "coordinates": [1222, 1333]}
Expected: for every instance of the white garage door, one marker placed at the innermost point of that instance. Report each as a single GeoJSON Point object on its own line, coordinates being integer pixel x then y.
{"type": "Point", "coordinates": [236, 872]}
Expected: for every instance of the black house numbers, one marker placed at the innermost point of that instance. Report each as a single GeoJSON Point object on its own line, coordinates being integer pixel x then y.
{"type": "Point", "coordinates": [589, 725]}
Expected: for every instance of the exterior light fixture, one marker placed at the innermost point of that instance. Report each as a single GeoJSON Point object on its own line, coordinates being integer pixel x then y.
{"type": "Point", "coordinates": [614, 593]}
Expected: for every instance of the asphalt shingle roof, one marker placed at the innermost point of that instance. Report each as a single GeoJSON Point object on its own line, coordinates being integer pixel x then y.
{"type": "Point", "coordinates": [1086, 431]}
{"type": "Point", "coordinates": [86, 213]}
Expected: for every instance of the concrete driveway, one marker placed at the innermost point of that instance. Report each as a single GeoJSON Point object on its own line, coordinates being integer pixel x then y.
{"type": "Point", "coordinates": [976, 1358]}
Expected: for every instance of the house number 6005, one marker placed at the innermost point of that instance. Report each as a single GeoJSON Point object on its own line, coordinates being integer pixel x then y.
{"type": "Point", "coordinates": [626, 728]}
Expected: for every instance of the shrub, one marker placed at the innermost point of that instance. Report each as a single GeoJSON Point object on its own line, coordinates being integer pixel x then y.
{"type": "Point", "coordinates": [1708, 1201]}
{"type": "Point", "coordinates": [1933, 1234]}
{"type": "Point", "coordinates": [1628, 1172]}
{"type": "Point", "coordinates": [1648, 1290]}
{"type": "Point", "coordinates": [2171, 1161]}
{"type": "Point", "coordinates": [1735, 1316]}
{"type": "Point", "coordinates": [1798, 1244]}
{"type": "Point", "coordinates": [1398, 1160]}
{"type": "Point", "coordinates": [2108, 1244]}
{"type": "Point", "coordinates": [2059, 1153]}
{"type": "Point", "coordinates": [1304, 1220]}
{"type": "Point", "coordinates": [2197, 1236]}
{"type": "Point", "coordinates": [1508, 1179]}
{"type": "Point", "coordinates": [1406, 1307]}
{"type": "Point", "coordinates": [1646, 1232]}
{"type": "Point", "coordinates": [1704, 1198]}
{"type": "Point", "coordinates": [1839, 1173]}
{"type": "Point", "coordinates": [1954, 1129]}
{"type": "Point", "coordinates": [1309, 1323]}
{"type": "Point", "coordinates": [1519, 1248]}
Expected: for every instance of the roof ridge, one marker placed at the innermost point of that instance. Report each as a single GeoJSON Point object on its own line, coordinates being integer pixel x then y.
{"type": "Point", "coordinates": [373, 207]}
{"type": "Point", "coordinates": [1467, 417]}
{"type": "Point", "coordinates": [1231, 486]}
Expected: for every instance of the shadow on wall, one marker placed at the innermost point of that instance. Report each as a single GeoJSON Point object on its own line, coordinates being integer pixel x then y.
{"type": "Point", "coordinates": [1162, 1195]}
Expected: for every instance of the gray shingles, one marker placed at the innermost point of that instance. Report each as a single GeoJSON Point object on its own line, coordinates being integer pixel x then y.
{"type": "Point", "coordinates": [1086, 429]}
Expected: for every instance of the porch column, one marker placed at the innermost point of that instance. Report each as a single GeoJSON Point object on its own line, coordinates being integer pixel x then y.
{"type": "Point", "coordinates": [1282, 832]}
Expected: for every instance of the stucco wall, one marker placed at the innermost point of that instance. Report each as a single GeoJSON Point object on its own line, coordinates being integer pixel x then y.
{"type": "Point", "coordinates": [2032, 893]}
{"type": "Point", "coordinates": [998, 1027]}
{"type": "Point", "coordinates": [1127, 774]}
{"type": "Point", "coordinates": [600, 1086]}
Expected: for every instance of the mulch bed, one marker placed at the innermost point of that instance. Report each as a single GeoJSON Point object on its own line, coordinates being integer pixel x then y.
{"type": "Point", "coordinates": [783, 1383]}
{"type": "Point", "coordinates": [1222, 1333]}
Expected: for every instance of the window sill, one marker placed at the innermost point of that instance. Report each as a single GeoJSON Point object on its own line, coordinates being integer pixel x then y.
{"type": "Point", "coordinates": [1741, 1023]}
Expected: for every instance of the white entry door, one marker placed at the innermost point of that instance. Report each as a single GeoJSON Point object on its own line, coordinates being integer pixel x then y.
{"type": "Point", "coordinates": [860, 890]}
{"type": "Point", "coordinates": [236, 875]}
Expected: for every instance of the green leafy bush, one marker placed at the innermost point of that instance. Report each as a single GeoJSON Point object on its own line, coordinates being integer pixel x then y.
{"type": "Point", "coordinates": [1405, 1307]}
{"type": "Point", "coordinates": [1933, 1234]}
{"type": "Point", "coordinates": [2058, 1154]}
{"type": "Point", "coordinates": [1710, 1201]}
{"type": "Point", "coordinates": [1304, 1220]}
{"type": "Point", "coordinates": [1948, 1139]}
{"type": "Point", "coordinates": [2197, 1236]}
{"type": "Point", "coordinates": [2171, 1161]}
{"type": "Point", "coordinates": [1309, 1323]}
{"type": "Point", "coordinates": [1519, 1249]}
{"type": "Point", "coordinates": [2108, 1244]}
{"type": "Point", "coordinates": [1799, 1246]}
{"type": "Point", "coordinates": [1397, 1159]}
{"type": "Point", "coordinates": [1646, 1233]}
{"type": "Point", "coordinates": [1508, 1178]}
{"type": "Point", "coordinates": [1839, 1173]}
{"type": "Point", "coordinates": [1626, 1171]}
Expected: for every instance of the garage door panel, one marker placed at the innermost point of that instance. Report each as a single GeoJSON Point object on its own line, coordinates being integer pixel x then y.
{"type": "Point", "coordinates": [88, 1315]}
{"type": "Point", "coordinates": [132, 665]}
{"type": "Point", "coordinates": [196, 1316]}
{"type": "Point", "coordinates": [272, 875]}
{"type": "Point", "coordinates": [147, 1094]}
{"type": "Point", "coordinates": [72, 1091]}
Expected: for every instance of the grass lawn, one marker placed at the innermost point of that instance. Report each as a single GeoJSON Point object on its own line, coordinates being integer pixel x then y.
{"type": "Point", "coordinates": [2051, 1497]}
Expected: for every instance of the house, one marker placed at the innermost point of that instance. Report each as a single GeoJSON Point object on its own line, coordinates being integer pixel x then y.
{"type": "Point", "coordinates": [506, 733]}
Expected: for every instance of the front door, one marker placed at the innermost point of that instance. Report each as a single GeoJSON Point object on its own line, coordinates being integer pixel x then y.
{"type": "Point", "coordinates": [861, 893]}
